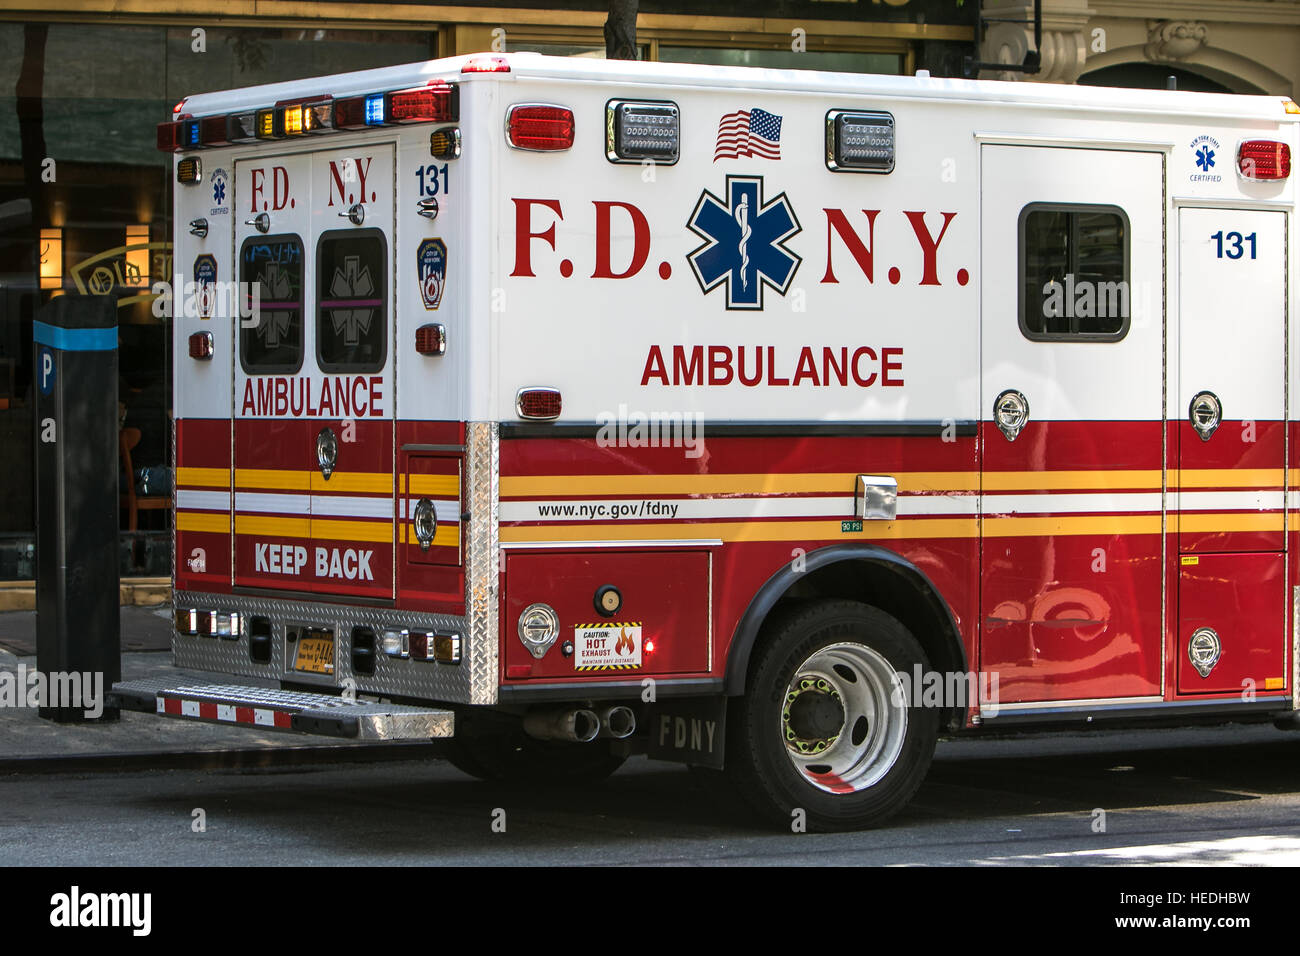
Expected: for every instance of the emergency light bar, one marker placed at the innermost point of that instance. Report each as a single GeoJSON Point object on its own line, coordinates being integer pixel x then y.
{"type": "Point", "coordinates": [637, 131]}
{"type": "Point", "coordinates": [859, 142]}
{"type": "Point", "coordinates": [439, 102]}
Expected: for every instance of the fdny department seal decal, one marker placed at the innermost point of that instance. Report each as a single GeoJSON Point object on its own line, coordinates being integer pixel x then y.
{"type": "Point", "coordinates": [431, 260]}
{"type": "Point", "coordinates": [744, 242]}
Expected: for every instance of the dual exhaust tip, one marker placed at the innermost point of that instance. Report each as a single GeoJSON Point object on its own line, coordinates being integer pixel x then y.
{"type": "Point", "coordinates": [581, 724]}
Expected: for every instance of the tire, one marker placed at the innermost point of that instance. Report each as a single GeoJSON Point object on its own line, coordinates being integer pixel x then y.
{"type": "Point", "coordinates": [820, 728]}
{"type": "Point", "coordinates": [515, 756]}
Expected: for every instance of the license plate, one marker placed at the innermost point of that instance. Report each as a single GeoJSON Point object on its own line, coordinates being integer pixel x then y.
{"type": "Point", "coordinates": [315, 655]}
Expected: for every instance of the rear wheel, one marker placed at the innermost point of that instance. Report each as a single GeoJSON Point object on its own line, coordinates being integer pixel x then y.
{"type": "Point", "coordinates": [822, 733]}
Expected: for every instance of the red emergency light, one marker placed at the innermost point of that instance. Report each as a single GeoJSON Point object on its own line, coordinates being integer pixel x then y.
{"type": "Point", "coordinates": [1264, 159]}
{"type": "Point", "coordinates": [486, 64]}
{"type": "Point", "coordinates": [538, 403]}
{"type": "Point", "coordinates": [435, 103]}
{"type": "Point", "coordinates": [539, 126]}
{"type": "Point", "coordinates": [201, 345]}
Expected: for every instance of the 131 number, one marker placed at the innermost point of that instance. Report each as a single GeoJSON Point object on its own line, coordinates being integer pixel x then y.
{"type": "Point", "coordinates": [1234, 240]}
{"type": "Point", "coordinates": [429, 177]}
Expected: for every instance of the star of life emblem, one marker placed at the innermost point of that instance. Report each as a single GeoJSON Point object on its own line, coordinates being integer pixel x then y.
{"type": "Point", "coordinates": [352, 281]}
{"type": "Point", "coordinates": [744, 242]}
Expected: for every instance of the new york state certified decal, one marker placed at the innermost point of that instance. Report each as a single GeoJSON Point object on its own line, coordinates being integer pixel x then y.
{"type": "Point", "coordinates": [744, 242]}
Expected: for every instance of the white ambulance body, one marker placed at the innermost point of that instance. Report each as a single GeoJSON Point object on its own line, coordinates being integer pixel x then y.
{"type": "Point", "coordinates": [613, 407]}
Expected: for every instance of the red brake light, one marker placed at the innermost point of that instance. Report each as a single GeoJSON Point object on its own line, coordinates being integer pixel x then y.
{"type": "Point", "coordinates": [169, 137]}
{"type": "Point", "coordinates": [486, 64]}
{"type": "Point", "coordinates": [538, 403]}
{"type": "Point", "coordinates": [436, 102]}
{"type": "Point", "coordinates": [539, 127]}
{"type": "Point", "coordinates": [1264, 159]}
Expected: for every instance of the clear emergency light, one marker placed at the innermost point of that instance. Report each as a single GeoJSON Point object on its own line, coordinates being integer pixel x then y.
{"type": "Point", "coordinates": [859, 142]}
{"type": "Point", "coordinates": [637, 131]}
{"type": "Point", "coordinates": [1264, 159]}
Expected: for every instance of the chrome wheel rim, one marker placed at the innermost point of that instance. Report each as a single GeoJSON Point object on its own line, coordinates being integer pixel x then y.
{"type": "Point", "coordinates": [841, 722]}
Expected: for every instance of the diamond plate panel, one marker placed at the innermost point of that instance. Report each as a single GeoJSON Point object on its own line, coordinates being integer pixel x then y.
{"type": "Point", "coordinates": [393, 677]}
{"type": "Point", "coordinates": [482, 559]}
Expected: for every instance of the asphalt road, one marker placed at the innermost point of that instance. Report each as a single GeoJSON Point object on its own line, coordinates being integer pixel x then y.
{"type": "Point", "coordinates": [1210, 796]}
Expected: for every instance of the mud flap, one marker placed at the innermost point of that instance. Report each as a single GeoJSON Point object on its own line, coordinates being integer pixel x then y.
{"type": "Point", "coordinates": [690, 730]}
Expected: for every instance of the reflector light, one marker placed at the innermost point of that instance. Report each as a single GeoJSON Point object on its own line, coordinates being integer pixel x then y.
{"type": "Point", "coordinates": [227, 625]}
{"type": "Point", "coordinates": [350, 113]}
{"type": "Point", "coordinates": [486, 64]}
{"type": "Point", "coordinates": [431, 339]}
{"type": "Point", "coordinates": [437, 102]}
{"type": "Point", "coordinates": [539, 127]}
{"type": "Point", "coordinates": [1290, 106]}
{"type": "Point", "coordinates": [445, 143]}
{"type": "Point", "coordinates": [640, 131]}
{"type": "Point", "coordinates": [185, 622]}
{"type": "Point", "coordinates": [1264, 159]}
{"type": "Point", "coordinates": [189, 170]}
{"type": "Point", "coordinates": [213, 131]}
{"type": "Point", "coordinates": [169, 137]}
{"type": "Point", "coordinates": [859, 142]}
{"type": "Point", "coordinates": [394, 643]}
{"type": "Point", "coordinates": [207, 623]}
{"type": "Point", "coordinates": [375, 109]}
{"type": "Point", "coordinates": [446, 648]}
{"type": "Point", "coordinates": [538, 403]}
{"type": "Point", "coordinates": [241, 127]}
{"type": "Point", "coordinates": [201, 345]}
{"type": "Point", "coordinates": [421, 645]}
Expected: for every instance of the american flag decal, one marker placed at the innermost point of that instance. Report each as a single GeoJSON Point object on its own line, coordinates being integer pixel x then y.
{"type": "Point", "coordinates": [749, 133]}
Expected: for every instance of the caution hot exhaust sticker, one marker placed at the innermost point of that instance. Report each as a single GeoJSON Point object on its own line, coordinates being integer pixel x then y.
{"type": "Point", "coordinates": [607, 646]}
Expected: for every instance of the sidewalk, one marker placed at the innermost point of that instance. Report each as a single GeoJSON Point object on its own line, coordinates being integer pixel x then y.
{"type": "Point", "coordinates": [27, 742]}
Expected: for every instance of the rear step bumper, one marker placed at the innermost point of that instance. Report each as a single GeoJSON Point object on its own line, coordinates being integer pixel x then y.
{"type": "Point", "coordinates": [273, 709]}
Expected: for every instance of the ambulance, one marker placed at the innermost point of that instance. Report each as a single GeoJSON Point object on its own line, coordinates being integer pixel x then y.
{"type": "Point", "coordinates": [771, 422]}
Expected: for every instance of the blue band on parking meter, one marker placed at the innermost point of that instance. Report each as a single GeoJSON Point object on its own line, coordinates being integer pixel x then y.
{"type": "Point", "coordinates": [75, 340]}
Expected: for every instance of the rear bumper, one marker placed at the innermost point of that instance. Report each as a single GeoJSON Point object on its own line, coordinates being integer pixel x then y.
{"type": "Point", "coordinates": [271, 709]}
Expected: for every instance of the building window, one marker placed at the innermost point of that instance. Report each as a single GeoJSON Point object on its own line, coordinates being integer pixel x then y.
{"type": "Point", "coordinates": [1074, 272]}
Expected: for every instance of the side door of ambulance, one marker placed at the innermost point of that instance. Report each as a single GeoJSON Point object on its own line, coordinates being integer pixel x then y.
{"type": "Point", "coordinates": [351, 471]}
{"type": "Point", "coordinates": [1227, 414]}
{"type": "Point", "coordinates": [1071, 425]}
{"type": "Point", "coordinates": [272, 438]}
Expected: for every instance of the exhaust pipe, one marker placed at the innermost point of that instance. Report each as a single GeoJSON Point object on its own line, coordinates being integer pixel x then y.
{"type": "Point", "coordinates": [576, 725]}
{"type": "Point", "coordinates": [617, 721]}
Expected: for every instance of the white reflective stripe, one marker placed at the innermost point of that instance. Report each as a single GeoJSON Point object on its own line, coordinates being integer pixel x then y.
{"type": "Point", "coordinates": [260, 501]}
{"type": "Point", "coordinates": [1226, 501]}
{"type": "Point", "coordinates": [1104, 502]}
{"type": "Point", "coordinates": [447, 510]}
{"type": "Point", "coordinates": [187, 500]}
{"type": "Point", "coordinates": [190, 708]}
{"type": "Point", "coordinates": [225, 712]}
{"type": "Point", "coordinates": [162, 705]}
{"type": "Point", "coordinates": [347, 507]}
{"type": "Point", "coordinates": [264, 717]}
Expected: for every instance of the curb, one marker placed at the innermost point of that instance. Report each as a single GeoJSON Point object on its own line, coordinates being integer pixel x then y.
{"type": "Point", "coordinates": [245, 759]}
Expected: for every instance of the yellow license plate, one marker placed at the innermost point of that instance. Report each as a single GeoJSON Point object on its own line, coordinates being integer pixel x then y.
{"type": "Point", "coordinates": [315, 655]}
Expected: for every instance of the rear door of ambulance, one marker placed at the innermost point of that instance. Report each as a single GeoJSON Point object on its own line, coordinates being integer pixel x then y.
{"type": "Point", "coordinates": [313, 398]}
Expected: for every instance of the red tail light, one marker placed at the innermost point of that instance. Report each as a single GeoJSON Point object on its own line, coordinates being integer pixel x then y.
{"type": "Point", "coordinates": [539, 127]}
{"type": "Point", "coordinates": [486, 64]}
{"type": "Point", "coordinates": [201, 345]}
{"type": "Point", "coordinates": [1264, 159]}
{"type": "Point", "coordinates": [433, 103]}
{"type": "Point", "coordinates": [538, 403]}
